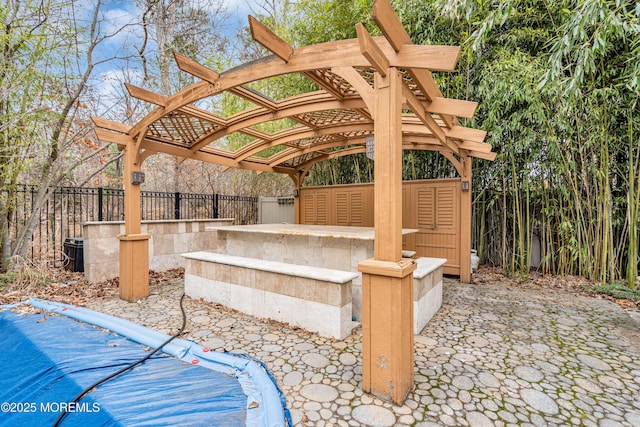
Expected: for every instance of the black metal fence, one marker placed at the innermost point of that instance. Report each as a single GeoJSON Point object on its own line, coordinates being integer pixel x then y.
{"type": "Point", "coordinates": [68, 207]}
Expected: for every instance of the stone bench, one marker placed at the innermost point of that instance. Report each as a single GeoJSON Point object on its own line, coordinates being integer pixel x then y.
{"type": "Point", "coordinates": [313, 298]}
{"type": "Point", "coordinates": [427, 290]}
{"type": "Point", "coordinates": [408, 254]}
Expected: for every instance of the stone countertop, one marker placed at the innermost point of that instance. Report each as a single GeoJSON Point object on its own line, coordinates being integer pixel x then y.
{"type": "Point", "coordinates": [334, 231]}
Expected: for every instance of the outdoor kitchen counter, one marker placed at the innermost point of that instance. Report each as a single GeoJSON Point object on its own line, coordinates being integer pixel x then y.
{"type": "Point", "coordinates": [327, 246]}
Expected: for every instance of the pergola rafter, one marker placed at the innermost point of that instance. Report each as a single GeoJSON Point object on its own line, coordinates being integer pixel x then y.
{"type": "Point", "coordinates": [365, 88]}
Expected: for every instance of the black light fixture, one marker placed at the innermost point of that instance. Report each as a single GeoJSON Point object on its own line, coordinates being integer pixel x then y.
{"type": "Point", "coordinates": [137, 178]}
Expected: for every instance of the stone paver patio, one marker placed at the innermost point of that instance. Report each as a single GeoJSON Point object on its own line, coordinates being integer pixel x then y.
{"type": "Point", "coordinates": [492, 356]}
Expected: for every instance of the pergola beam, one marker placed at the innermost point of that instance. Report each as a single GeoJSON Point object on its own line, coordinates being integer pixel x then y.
{"type": "Point", "coordinates": [457, 107]}
{"type": "Point", "coordinates": [194, 68]}
{"type": "Point", "coordinates": [371, 51]}
{"type": "Point", "coordinates": [110, 125]}
{"type": "Point", "coordinates": [307, 59]}
{"type": "Point", "coordinates": [269, 40]}
{"type": "Point", "coordinates": [426, 118]}
{"type": "Point", "coordinates": [285, 155]}
{"type": "Point", "coordinates": [390, 25]}
{"type": "Point", "coordinates": [465, 133]}
{"type": "Point", "coordinates": [290, 135]}
{"type": "Point", "coordinates": [393, 30]}
{"type": "Point", "coordinates": [284, 51]}
{"type": "Point", "coordinates": [380, 62]}
{"type": "Point", "coordinates": [146, 95]}
{"type": "Point", "coordinates": [255, 97]}
{"type": "Point", "coordinates": [323, 84]}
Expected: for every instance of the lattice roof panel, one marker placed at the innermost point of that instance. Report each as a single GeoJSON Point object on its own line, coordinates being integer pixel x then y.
{"type": "Point", "coordinates": [180, 128]}
{"type": "Point", "coordinates": [332, 117]}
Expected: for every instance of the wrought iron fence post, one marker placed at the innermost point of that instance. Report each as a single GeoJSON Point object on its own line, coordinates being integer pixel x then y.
{"type": "Point", "coordinates": [100, 195]}
{"type": "Point", "coordinates": [215, 206]}
{"type": "Point", "coordinates": [177, 205]}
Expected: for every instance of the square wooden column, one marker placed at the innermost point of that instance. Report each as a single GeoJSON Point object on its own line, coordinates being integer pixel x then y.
{"type": "Point", "coordinates": [297, 183]}
{"type": "Point", "coordinates": [465, 221]}
{"type": "Point", "coordinates": [387, 280]}
{"type": "Point", "coordinates": [134, 246]}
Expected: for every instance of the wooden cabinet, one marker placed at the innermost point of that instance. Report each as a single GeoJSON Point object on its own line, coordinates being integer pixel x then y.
{"type": "Point", "coordinates": [314, 206]}
{"type": "Point", "coordinates": [354, 206]}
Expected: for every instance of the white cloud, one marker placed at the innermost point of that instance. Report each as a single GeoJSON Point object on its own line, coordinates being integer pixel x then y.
{"type": "Point", "coordinates": [110, 91]}
{"type": "Point", "coordinates": [122, 24]}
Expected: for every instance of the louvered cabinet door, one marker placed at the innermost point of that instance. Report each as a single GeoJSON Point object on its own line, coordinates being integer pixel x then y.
{"type": "Point", "coordinates": [351, 208]}
{"type": "Point", "coordinates": [437, 210]}
{"type": "Point", "coordinates": [314, 207]}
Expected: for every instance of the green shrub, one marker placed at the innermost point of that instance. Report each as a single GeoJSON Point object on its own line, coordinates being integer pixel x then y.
{"type": "Point", "coordinates": [618, 290]}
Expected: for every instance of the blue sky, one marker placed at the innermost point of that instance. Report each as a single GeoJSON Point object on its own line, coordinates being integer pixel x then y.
{"type": "Point", "coordinates": [121, 13]}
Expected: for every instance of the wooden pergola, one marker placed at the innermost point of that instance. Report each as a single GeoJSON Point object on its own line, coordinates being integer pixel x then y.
{"type": "Point", "coordinates": [368, 86]}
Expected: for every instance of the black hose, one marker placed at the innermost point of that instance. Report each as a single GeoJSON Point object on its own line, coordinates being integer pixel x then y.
{"type": "Point", "coordinates": [128, 367]}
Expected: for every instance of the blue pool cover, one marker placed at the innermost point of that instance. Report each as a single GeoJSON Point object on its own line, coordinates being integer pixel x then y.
{"type": "Point", "coordinates": [47, 361]}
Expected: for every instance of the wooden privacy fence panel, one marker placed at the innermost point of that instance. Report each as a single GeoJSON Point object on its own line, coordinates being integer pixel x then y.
{"type": "Point", "coordinates": [430, 206]}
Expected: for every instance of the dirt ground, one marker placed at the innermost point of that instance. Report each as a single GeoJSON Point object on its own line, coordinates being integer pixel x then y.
{"type": "Point", "coordinates": [71, 288]}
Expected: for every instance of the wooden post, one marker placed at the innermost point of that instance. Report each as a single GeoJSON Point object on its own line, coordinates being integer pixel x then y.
{"type": "Point", "coordinates": [134, 246]}
{"type": "Point", "coordinates": [297, 183]}
{"type": "Point", "coordinates": [465, 220]}
{"type": "Point", "coordinates": [387, 280]}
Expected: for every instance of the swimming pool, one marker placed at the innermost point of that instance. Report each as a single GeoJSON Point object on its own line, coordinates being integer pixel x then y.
{"type": "Point", "coordinates": [48, 359]}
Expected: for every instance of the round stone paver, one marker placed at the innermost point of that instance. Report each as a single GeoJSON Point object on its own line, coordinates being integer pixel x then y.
{"type": "Point", "coordinates": [272, 348]}
{"type": "Point", "coordinates": [528, 374]}
{"type": "Point", "coordinates": [489, 380]}
{"type": "Point", "coordinates": [225, 323]}
{"type": "Point", "coordinates": [478, 419]}
{"type": "Point", "coordinates": [539, 401]}
{"type": "Point", "coordinates": [478, 341]}
{"type": "Point", "coordinates": [374, 416]}
{"type": "Point", "coordinates": [633, 417]}
{"type": "Point", "coordinates": [426, 341]}
{"type": "Point", "coordinates": [319, 392]}
{"type": "Point", "coordinates": [348, 359]}
{"type": "Point", "coordinates": [589, 386]}
{"type": "Point", "coordinates": [610, 381]}
{"type": "Point", "coordinates": [304, 346]}
{"type": "Point", "coordinates": [540, 348]}
{"type": "Point", "coordinates": [252, 337]}
{"type": "Point", "coordinates": [200, 319]}
{"type": "Point", "coordinates": [315, 360]}
{"type": "Point", "coordinates": [462, 383]}
{"type": "Point", "coordinates": [594, 362]}
{"type": "Point", "coordinates": [214, 343]}
{"type": "Point", "coordinates": [292, 378]}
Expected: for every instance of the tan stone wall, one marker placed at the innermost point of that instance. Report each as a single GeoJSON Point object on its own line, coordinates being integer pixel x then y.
{"type": "Point", "coordinates": [320, 306]}
{"type": "Point", "coordinates": [169, 239]}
